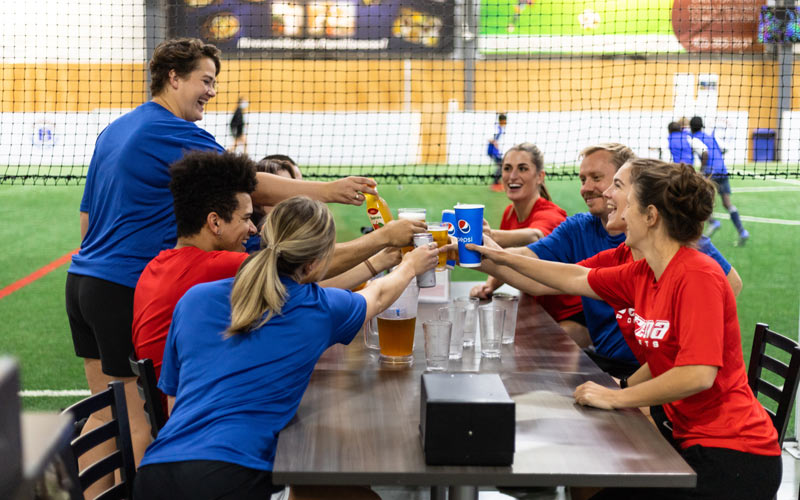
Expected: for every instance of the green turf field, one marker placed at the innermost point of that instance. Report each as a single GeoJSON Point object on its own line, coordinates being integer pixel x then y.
{"type": "Point", "coordinates": [42, 225]}
{"type": "Point", "coordinates": [561, 17]}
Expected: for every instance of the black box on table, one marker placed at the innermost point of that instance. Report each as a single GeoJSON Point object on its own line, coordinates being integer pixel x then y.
{"type": "Point", "coordinates": [466, 419]}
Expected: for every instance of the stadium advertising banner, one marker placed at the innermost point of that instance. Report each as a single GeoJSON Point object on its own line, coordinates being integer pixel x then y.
{"type": "Point", "coordinates": [317, 25]}
{"type": "Point", "coordinates": [619, 26]}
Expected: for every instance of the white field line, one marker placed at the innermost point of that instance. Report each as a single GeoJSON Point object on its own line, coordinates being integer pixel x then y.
{"type": "Point", "coordinates": [47, 393]}
{"type": "Point", "coordinates": [766, 189]}
{"type": "Point", "coordinates": [765, 220]}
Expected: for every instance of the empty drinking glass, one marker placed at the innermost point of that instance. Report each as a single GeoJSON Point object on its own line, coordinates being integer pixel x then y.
{"type": "Point", "coordinates": [437, 344]}
{"type": "Point", "coordinates": [454, 313]}
{"type": "Point", "coordinates": [492, 319]}
{"type": "Point", "coordinates": [470, 304]}
{"type": "Point", "coordinates": [509, 303]}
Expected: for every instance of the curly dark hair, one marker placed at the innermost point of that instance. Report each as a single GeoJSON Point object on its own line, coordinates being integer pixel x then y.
{"type": "Point", "coordinates": [207, 181]}
{"type": "Point", "coordinates": [182, 55]}
{"type": "Point", "coordinates": [683, 197]}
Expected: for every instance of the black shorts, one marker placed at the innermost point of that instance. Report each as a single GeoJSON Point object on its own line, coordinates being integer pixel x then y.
{"type": "Point", "coordinates": [721, 474]}
{"type": "Point", "coordinates": [100, 316]}
{"type": "Point", "coordinates": [614, 367]}
{"type": "Point", "coordinates": [578, 317]}
{"type": "Point", "coordinates": [201, 480]}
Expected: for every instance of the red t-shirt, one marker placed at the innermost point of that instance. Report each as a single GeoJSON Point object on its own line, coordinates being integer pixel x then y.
{"type": "Point", "coordinates": [610, 258]}
{"type": "Point", "coordinates": [162, 284]}
{"type": "Point", "coordinates": [545, 216]}
{"type": "Point", "coordinates": [688, 317]}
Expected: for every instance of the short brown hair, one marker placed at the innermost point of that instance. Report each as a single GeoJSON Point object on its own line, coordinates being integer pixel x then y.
{"type": "Point", "coordinates": [683, 197]}
{"type": "Point", "coordinates": [620, 153]}
{"type": "Point", "coordinates": [181, 55]}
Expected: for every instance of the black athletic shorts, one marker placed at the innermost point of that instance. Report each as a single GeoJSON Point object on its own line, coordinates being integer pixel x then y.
{"type": "Point", "coordinates": [578, 317]}
{"type": "Point", "coordinates": [100, 316]}
{"type": "Point", "coordinates": [202, 480]}
{"type": "Point", "coordinates": [722, 474]}
{"type": "Point", "coordinates": [613, 367]}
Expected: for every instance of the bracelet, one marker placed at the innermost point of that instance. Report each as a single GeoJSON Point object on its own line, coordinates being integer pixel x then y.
{"type": "Point", "coordinates": [623, 383]}
{"type": "Point", "coordinates": [371, 268]}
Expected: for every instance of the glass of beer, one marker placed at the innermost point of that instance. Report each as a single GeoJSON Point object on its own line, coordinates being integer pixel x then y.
{"type": "Point", "coordinates": [396, 327]}
{"type": "Point", "coordinates": [441, 239]}
{"type": "Point", "coordinates": [411, 214]}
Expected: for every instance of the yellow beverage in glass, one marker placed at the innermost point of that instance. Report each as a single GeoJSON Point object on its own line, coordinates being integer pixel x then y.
{"type": "Point", "coordinates": [441, 239]}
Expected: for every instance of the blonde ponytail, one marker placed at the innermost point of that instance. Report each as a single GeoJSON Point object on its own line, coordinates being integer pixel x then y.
{"type": "Point", "coordinates": [297, 232]}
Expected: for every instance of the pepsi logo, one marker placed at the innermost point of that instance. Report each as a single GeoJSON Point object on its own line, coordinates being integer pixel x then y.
{"type": "Point", "coordinates": [463, 226]}
{"type": "Point", "coordinates": [451, 229]}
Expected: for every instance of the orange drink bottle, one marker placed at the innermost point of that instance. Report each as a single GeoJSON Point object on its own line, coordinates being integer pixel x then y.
{"type": "Point", "coordinates": [377, 210]}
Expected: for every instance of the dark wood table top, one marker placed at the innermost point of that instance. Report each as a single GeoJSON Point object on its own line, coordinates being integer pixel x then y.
{"type": "Point", "coordinates": [358, 422]}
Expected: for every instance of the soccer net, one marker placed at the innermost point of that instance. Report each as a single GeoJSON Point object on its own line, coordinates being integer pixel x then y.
{"type": "Point", "coordinates": [411, 90]}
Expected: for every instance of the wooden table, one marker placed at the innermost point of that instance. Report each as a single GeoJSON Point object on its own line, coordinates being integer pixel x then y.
{"type": "Point", "coordinates": [358, 421]}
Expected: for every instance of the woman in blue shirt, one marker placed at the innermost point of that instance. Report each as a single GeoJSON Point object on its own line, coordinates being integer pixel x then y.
{"type": "Point", "coordinates": [240, 353]}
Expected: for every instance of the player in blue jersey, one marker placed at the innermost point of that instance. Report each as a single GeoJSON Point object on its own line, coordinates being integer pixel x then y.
{"type": "Point", "coordinates": [683, 147]}
{"type": "Point", "coordinates": [718, 173]}
{"type": "Point", "coordinates": [495, 152]}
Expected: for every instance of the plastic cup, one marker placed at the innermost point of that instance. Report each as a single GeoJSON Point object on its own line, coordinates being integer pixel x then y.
{"type": "Point", "coordinates": [396, 327]}
{"type": "Point", "coordinates": [492, 319]}
{"type": "Point", "coordinates": [470, 305]}
{"type": "Point", "coordinates": [449, 222]}
{"type": "Point", "coordinates": [437, 344]}
{"type": "Point", "coordinates": [510, 303]}
{"type": "Point", "coordinates": [454, 313]}
{"type": "Point", "coordinates": [469, 228]}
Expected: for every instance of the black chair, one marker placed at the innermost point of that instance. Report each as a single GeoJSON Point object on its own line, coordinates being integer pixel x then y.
{"type": "Point", "coordinates": [783, 396]}
{"type": "Point", "coordinates": [148, 390]}
{"type": "Point", "coordinates": [118, 428]}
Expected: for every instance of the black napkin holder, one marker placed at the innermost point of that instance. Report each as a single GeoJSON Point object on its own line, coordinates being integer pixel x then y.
{"type": "Point", "coordinates": [466, 419]}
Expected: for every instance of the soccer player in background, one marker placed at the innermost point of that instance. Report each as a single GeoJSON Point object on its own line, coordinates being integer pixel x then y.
{"type": "Point", "coordinates": [718, 173]}
{"type": "Point", "coordinates": [496, 153]}
{"type": "Point", "coordinates": [683, 147]}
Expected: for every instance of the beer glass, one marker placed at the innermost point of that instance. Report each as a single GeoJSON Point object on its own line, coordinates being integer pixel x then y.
{"type": "Point", "coordinates": [441, 239]}
{"type": "Point", "coordinates": [454, 313]}
{"type": "Point", "coordinates": [396, 327]}
{"type": "Point", "coordinates": [411, 214]}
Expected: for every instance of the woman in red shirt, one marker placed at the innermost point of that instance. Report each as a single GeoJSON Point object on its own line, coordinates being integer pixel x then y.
{"type": "Point", "coordinates": [531, 216]}
{"type": "Point", "coordinates": [686, 324]}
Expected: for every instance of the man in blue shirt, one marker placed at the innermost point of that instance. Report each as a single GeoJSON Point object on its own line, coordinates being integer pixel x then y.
{"type": "Point", "coordinates": [718, 173]}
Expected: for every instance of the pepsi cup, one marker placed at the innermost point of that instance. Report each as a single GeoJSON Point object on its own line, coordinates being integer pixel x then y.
{"type": "Point", "coordinates": [449, 221]}
{"type": "Point", "coordinates": [469, 229]}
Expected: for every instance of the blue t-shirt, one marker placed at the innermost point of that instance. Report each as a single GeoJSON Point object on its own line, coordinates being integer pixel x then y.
{"type": "Point", "coordinates": [234, 395]}
{"type": "Point", "coordinates": [127, 192]}
{"type": "Point", "coordinates": [577, 238]}
{"type": "Point", "coordinates": [680, 148]}
{"type": "Point", "coordinates": [705, 246]}
{"type": "Point", "coordinates": [716, 163]}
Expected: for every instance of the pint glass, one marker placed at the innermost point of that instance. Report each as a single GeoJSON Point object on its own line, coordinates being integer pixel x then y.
{"type": "Point", "coordinates": [396, 327]}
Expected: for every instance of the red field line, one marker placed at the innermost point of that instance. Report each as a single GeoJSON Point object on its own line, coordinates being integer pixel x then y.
{"type": "Point", "coordinates": [27, 280]}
